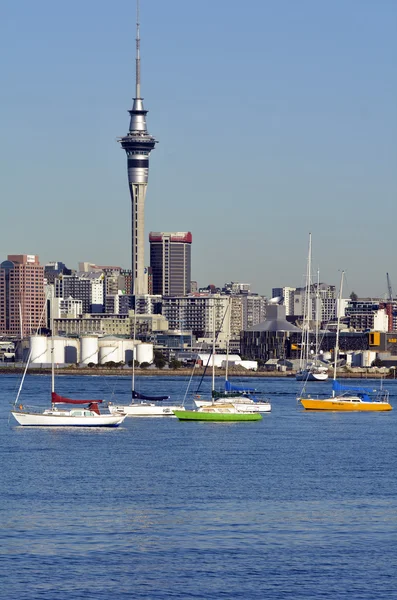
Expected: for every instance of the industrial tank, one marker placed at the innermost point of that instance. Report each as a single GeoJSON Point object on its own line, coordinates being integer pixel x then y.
{"type": "Point", "coordinates": [65, 350]}
{"type": "Point", "coordinates": [72, 349]}
{"type": "Point", "coordinates": [59, 350]}
{"type": "Point", "coordinates": [88, 349]}
{"type": "Point", "coordinates": [110, 349]}
{"type": "Point", "coordinates": [38, 349]}
{"type": "Point", "coordinates": [144, 353]}
{"type": "Point", "coordinates": [127, 351]}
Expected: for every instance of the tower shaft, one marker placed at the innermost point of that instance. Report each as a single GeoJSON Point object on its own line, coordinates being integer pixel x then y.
{"type": "Point", "coordinates": [138, 144]}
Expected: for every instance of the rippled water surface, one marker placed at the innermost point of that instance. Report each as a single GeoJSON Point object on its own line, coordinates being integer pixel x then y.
{"type": "Point", "coordinates": [299, 505]}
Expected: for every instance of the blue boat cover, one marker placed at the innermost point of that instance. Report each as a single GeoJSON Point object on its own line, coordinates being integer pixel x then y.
{"type": "Point", "coordinates": [235, 388]}
{"type": "Point", "coordinates": [338, 387]}
{"type": "Point", "coordinates": [138, 396]}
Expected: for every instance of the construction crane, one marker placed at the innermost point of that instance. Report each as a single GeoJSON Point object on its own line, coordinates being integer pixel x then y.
{"type": "Point", "coordinates": [389, 288]}
{"type": "Point", "coordinates": [389, 305]}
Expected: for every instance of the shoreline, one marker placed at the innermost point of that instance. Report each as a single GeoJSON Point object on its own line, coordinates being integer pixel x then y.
{"type": "Point", "coordinates": [198, 372]}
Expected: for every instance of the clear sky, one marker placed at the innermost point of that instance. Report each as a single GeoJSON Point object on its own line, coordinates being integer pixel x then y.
{"type": "Point", "coordinates": [275, 118]}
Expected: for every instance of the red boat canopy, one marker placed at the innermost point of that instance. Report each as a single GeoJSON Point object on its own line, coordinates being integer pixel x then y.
{"type": "Point", "coordinates": [56, 399]}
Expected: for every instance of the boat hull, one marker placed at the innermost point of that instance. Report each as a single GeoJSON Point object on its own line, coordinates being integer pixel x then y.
{"type": "Point", "coordinates": [144, 410]}
{"type": "Point", "coordinates": [335, 404]}
{"type": "Point", "coordinates": [261, 407]}
{"type": "Point", "coordinates": [311, 376]}
{"type": "Point", "coordinates": [51, 420]}
{"type": "Point", "coordinates": [193, 415]}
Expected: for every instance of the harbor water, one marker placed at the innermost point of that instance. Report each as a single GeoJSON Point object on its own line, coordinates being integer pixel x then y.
{"type": "Point", "coordinates": [299, 505]}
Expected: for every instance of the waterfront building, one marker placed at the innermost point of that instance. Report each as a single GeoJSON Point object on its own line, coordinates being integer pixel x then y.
{"type": "Point", "coordinates": [254, 309]}
{"type": "Point", "coordinates": [85, 286]}
{"type": "Point", "coordinates": [201, 314]}
{"type": "Point", "coordinates": [366, 314]}
{"type": "Point", "coordinates": [236, 316]}
{"type": "Point", "coordinates": [66, 308]}
{"type": "Point", "coordinates": [22, 296]}
{"type": "Point", "coordinates": [148, 304]}
{"type": "Point", "coordinates": [105, 324]}
{"type": "Point", "coordinates": [270, 339]}
{"type": "Point", "coordinates": [322, 307]}
{"type": "Point", "coordinates": [119, 304]}
{"type": "Point", "coordinates": [170, 262]}
{"type": "Point", "coordinates": [138, 144]}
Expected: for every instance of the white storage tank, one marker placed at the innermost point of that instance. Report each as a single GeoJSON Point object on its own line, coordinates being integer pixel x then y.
{"type": "Point", "coordinates": [72, 349]}
{"type": "Point", "coordinates": [127, 351]}
{"type": "Point", "coordinates": [109, 350]}
{"type": "Point", "coordinates": [144, 353]}
{"type": "Point", "coordinates": [65, 350]}
{"type": "Point", "coordinates": [88, 349]}
{"type": "Point", "coordinates": [368, 357]}
{"type": "Point", "coordinates": [59, 350]}
{"type": "Point", "coordinates": [38, 349]}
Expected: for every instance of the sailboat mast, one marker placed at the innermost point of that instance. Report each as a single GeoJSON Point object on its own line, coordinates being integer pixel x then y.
{"type": "Point", "coordinates": [228, 338]}
{"type": "Point", "coordinates": [134, 352]}
{"type": "Point", "coordinates": [337, 328]}
{"type": "Point", "coordinates": [317, 312]}
{"type": "Point", "coordinates": [52, 365]}
{"type": "Point", "coordinates": [304, 354]}
{"type": "Point", "coordinates": [213, 349]}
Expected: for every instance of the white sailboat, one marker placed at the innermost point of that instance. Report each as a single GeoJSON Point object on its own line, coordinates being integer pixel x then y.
{"type": "Point", "coordinates": [310, 368]}
{"type": "Point", "coordinates": [143, 405]}
{"type": "Point", "coordinates": [232, 394]}
{"type": "Point", "coordinates": [87, 414]}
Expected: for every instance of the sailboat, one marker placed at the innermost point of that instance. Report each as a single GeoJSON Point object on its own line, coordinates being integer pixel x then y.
{"type": "Point", "coordinates": [143, 405]}
{"type": "Point", "coordinates": [310, 368]}
{"type": "Point", "coordinates": [86, 415]}
{"type": "Point", "coordinates": [224, 409]}
{"type": "Point", "coordinates": [239, 396]}
{"type": "Point", "coordinates": [344, 397]}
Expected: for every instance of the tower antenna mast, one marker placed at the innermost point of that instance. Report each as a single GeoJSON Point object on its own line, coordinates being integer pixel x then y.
{"type": "Point", "coordinates": [138, 55]}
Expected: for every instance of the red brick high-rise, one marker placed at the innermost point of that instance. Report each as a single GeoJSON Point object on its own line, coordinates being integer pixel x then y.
{"type": "Point", "coordinates": [22, 295]}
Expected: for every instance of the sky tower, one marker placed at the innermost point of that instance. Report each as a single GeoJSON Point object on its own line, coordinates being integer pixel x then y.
{"type": "Point", "coordinates": [138, 144]}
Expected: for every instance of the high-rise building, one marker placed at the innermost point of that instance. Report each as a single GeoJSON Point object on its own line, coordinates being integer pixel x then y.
{"type": "Point", "coordinates": [22, 296]}
{"type": "Point", "coordinates": [138, 144]}
{"type": "Point", "coordinates": [254, 309]}
{"type": "Point", "coordinates": [287, 294]}
{"type": "Point", "coordinates": [87, 287]}
{"type": "Point", "coordinates": [170, 261]}
{"type": "Point", "coordinates": [202, 314]}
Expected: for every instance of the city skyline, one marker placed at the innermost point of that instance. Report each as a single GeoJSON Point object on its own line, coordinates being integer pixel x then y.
{"type": "Point", "coordinates": [272, 122]}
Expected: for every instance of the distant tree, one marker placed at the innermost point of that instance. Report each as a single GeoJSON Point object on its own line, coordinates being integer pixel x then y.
{"type": "Point", "coordinates": [159, 362]}
{"type": "Point", "coordinates": [353, 296]}
{"type": "Point", "coordinates": [145, 365]}
{"type": "Point", "coordinates": [159, 359]}
{"type": "Point", "coordinates": [111, 364]}
{"type": "Point", "coordinates": [91, 365]}
{"type": "Point", "coordinates": [136, 363]}
{"type": "Point", "coordinates": [175, 364]}
{"type": "Point", "coordinates": [377, 362]}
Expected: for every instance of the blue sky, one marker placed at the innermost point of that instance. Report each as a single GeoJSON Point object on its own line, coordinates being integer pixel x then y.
{"type": "Point", "coordinates": [275, 118]}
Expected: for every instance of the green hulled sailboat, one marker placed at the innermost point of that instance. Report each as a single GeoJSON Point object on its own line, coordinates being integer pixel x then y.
{"type": "Point", "coordinates": [218, 410]}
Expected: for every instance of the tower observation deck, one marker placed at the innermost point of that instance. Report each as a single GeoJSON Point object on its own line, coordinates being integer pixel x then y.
{"type": "Point", "coordinates": [138, 143]}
